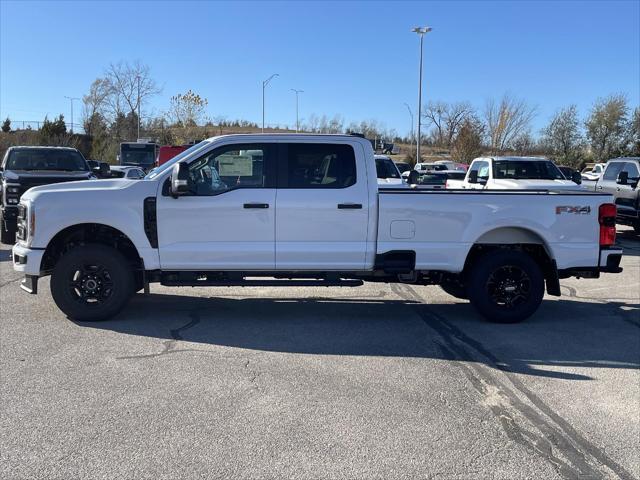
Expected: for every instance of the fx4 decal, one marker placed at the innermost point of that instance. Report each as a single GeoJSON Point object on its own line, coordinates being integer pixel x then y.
{"type": "Point", "coordinates": [576, 210]}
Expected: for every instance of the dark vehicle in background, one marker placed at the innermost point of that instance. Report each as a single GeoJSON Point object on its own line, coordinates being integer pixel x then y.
{"type": "Point", "coordinates": [433, 180]}
{"type": "Point", "coordinates": [99, 169]}
{"type": "Point", "coordinates": [403, 167]}
{"type": "Point", "coordinates": [138, 154]}
{"type": "Point", "coordinates": [26, 167]}
{"type": "Point", "coordinates": [620, 179]}
{"type": "Point", "coordinates": [568, 172]}
{"type": "Point", "coordinates": [126, 171]}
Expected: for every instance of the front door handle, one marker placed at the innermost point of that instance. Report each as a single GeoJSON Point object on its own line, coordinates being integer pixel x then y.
{"type": "Point", "coordinates": [256, 205]}
{"type": "Point", "coordinates": [349, 206]}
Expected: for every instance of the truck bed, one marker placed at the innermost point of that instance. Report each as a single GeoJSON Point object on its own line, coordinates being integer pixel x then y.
{"type": "Point", "coordinates": [441, 226]}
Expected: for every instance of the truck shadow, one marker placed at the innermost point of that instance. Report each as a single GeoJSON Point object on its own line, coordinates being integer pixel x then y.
{"type": "Point", "coordinates": [564, 333]}
{"type": "Point", "coordinates": [5, 253]}
{"type": "Point", "coordinates": [630, 242]}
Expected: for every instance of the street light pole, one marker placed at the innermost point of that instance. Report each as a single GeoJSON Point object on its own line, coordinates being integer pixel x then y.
{"type": "Point", "coordinates": [420, 31]}
{"type": "Point", "coordinates": [410, 114]}
{"type": "Point", "coordinates": [138, 78]}
{"type": "Point", "coordinates": [264, 85]}
{"type": "Point", "coordinates": [297, 117]}
{"type": "Point", "coordinates": [71, 99]}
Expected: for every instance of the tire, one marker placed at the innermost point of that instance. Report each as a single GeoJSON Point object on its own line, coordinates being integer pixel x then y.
{"type": "Point", "coordinates": [506, 286]}
{"type": "Point", "coordinates": [455, 288]}
{"type": "Point", "coordinates": [8, 237]}
{"type": "Point", "coordinates": [92, 283]}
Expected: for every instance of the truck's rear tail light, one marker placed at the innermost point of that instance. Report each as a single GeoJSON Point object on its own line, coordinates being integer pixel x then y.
{"type": "Point", "coordinates": [607, 220]}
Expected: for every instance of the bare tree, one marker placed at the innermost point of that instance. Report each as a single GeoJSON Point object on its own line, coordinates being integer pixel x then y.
{"type": "Point", "coordinates": [435, 113]}
{"type": "Point", "coordinates": [563, 137]}
{"type": "Point", "coordinates": [607, 125]}
{"type": "Point", "coordinates": [187, 109]}
{"type": "Point", "coordinates": [130, 86]}
{"type": "Point", "coordinates": [634, 133]}
{"type": "Point", "coordinates": [467, 144]}
{"type": "Point", "coordinates": [506, 120]}
{"type": "Point", "coordinates": [95, 103]}
{"type": "Point", "coordinates": [446, 119]}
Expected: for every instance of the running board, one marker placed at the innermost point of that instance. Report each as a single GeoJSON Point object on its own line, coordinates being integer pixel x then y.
{"type": "Point", "coordinates": [203, 281]}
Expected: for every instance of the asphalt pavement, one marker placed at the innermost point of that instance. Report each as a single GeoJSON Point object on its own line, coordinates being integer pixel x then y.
{"type": "Point", "coordinates": [379, 381]}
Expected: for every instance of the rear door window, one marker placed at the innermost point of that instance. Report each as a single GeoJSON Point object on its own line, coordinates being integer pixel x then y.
{"type": "Point", "coordinates": [632, 170]}
{"type": "Point", "coordinates": [317, 165]}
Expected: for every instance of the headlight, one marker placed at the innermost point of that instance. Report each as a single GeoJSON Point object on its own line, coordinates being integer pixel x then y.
{"type": "Point", "coordinates": [26, 222]}
{"type": "Point", "coordinates": [11, 194]}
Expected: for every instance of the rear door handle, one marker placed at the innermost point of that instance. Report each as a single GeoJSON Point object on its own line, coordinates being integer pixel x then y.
{"type": "Point", "coordinates": [349, 206]}
{"type": "Point", "coordinates": [256, 205]}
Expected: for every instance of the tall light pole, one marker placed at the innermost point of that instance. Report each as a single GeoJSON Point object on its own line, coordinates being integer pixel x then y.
{"type": "Point", "coordinates": [410, 114]}
{"type": "Point", "coordinates": [71, 99]}
{"type": "Point", "coordinates": [297, 117]}
{"type": "Point", "coordinates": [420, 31]}
{"type": "Point", "coordinates": [264, 85]}
{"type": "Point", "coordinates": [138, 78]}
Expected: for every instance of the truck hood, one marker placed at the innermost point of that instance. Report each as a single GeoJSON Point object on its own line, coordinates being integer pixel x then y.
{"type": "Point", "coordinates": [81, 186]}
{"type": "Point", "coordinates": [535, 184]}
{"type": "Point", "coordinates": [43, 176]}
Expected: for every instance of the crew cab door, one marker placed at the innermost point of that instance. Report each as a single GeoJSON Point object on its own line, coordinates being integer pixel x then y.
{"type": "Point", "coordinates": [483, 171]}
{"type": "Point", "coordinates": [627, 195]}
{"type": "Point", "coordinates": [607, 182]}
{"type": "Point", "coordinates": [227, 221]}
{"type": "Point", "coordinates": [322, 207]}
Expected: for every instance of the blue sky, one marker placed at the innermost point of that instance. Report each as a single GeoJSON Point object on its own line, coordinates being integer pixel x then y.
{"type": "Point", "coordinates": [356, 59]}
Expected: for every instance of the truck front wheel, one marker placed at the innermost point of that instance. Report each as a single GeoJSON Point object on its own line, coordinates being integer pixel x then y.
{"type": "Point", "coordinates": [92, 283]}
{"type": "Point", "coordinates": [506, 286]}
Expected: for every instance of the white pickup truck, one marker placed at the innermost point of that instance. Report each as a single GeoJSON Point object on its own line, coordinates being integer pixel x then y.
{"type": "Point", "coordinates": [521, 173]}
{"type": "Point", "coordinates": [247, 210]}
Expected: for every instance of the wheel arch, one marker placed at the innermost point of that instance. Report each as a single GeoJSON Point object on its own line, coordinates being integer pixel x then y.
{"type": "Point", "coordinates": [85, 233]}
{"type": "Point", "coordinates": [521, 239]}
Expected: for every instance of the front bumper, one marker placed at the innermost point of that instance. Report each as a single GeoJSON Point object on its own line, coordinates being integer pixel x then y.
{"type": "Point", "coordinates": [27, 260]}
{"type": "Point", "coordinates": [10, 217]}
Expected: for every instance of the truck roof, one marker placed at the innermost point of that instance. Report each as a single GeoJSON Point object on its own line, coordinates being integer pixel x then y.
{"type": "Point", "coordinates": [292, 136]}
{"type": "Point", "coordinates": [33, 147]}
{"type": "Point", "coordinates": [513, 159]}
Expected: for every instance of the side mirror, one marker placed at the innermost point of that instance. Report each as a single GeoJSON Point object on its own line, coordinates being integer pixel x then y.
{"type": "Point", "coordinates": [414, 177]}
{"type": "Point", "coordinates": [473, 176]}
{"type": "Point", "coordinates": [104, 169]}
{"type": "Point", "coordinates": [576, 178]}
{"type": "Point", "coordinates": [623, 178]}
{"type": "Point", "coordinates": [179, 179]}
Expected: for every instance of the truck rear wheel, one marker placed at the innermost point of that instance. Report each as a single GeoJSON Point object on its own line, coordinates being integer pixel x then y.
{"type": "Point", "coordinates": [92, 283]}
{"type": "Point", "coordinates": [506, 286]}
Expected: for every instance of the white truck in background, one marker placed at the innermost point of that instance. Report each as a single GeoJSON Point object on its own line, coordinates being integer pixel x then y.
{"type": "Point", "coordinates": [304, 210]}
{"type": "Point", "coordinates": [516, 173]}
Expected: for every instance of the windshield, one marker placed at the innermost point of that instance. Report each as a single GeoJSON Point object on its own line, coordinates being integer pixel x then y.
{"type": "Point", "coordinates": [46, 159]}
{"type": "Point", "coordinates": [157, 171]}
{"type": "Point", "coordinates": [385, 168]}
{"type": "Point", "coordinates": [137, 154]}
{"type": "Point", "coordinates": [526, 170]}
